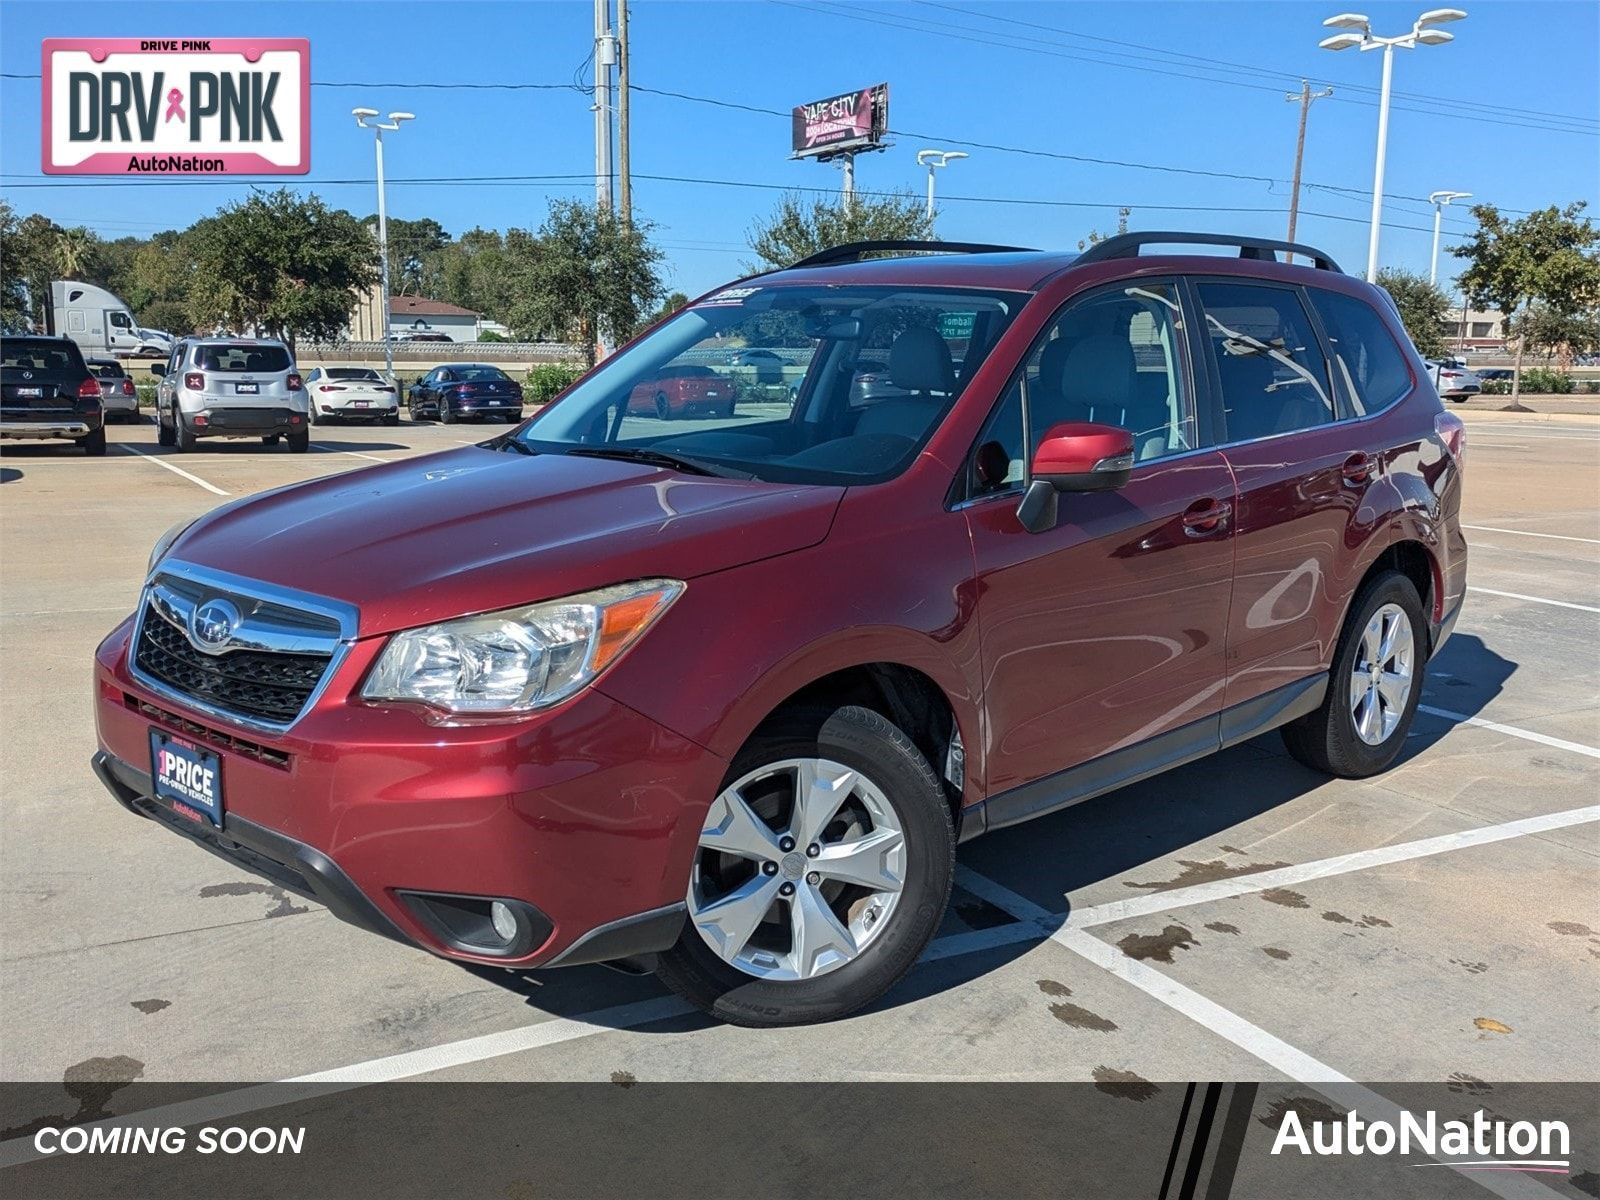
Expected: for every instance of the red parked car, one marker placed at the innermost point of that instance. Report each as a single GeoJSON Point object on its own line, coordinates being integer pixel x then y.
{"type": "Point", "coordinates": [683, 389]}
{"type": "Point", "coordinates": [722, 701]}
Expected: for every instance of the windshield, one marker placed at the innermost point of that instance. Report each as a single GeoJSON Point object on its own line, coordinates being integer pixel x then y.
{"type": "Point", "coordinates": [242, 358]}
{"type": "Point", "coordinates": [810, 384]}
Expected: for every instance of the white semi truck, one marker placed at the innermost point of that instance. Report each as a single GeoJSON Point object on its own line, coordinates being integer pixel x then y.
{"type": "Point", "coordinates": [101, 323]}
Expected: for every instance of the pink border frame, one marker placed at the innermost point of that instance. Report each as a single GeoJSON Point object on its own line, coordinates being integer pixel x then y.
{"type": "Point", "coordinates": [115, 162]}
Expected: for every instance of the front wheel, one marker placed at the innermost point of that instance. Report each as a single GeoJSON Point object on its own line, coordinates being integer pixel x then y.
{"type": "Point", "coordinates": [1374, 687]}
{"type": "Point", "coordinates": [823, 870]}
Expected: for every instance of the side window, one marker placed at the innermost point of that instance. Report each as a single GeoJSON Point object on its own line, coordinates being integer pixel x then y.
{"type": "Point", "coordinates": [1112, 358]}
{"type": "Point", "coordinates": [1364, 352]}
{"type": "Point", "coordinates": [121, 320]}
{"type": "Point", "coordinates": [177, 358]}
{"type": "Point", "coordinates": [1274, 379]}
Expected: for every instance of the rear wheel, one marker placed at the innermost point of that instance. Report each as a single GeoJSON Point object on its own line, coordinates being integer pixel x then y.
{"type": "Point", "coordinates": [166, 435]}
{"type": "Point", "coordinates": [186, 439]}
{"type": "Point", "coordinates": [94, 442]}
{"type": "Point", "coordinates": [391, 418]}
{"type": "Point", "coordinates": [663, 408]}
{"type": "Point", "coordinates": [271, 439]}
{"type": "Point", "coordinates": [1374, 687]}
{"type": "Point", "coordinates": [299, 442]}
{"type": "Point", "coordinates": [446, 417]}
{"type": "Point", "coordinates": [823, 870]}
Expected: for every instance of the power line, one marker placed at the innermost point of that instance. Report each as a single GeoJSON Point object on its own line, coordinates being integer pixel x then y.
{"type": "Point", "coordinates": [1055, 50]}
{"type": "Point", "coordinates": [1213, 63]}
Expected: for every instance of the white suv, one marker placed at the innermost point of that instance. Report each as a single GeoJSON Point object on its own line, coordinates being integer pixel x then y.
{"type": "Point", "coordinates": [231, 387]}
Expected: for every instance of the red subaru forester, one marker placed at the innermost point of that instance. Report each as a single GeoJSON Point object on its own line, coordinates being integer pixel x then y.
{"type": "Point", "coordinates": [719, 693]}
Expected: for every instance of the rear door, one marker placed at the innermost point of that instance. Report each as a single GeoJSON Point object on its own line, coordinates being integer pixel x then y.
{"type": "Point", "coordinates": [1106, 631]}
{"type": "Point", "coordinates": [1300, 483]}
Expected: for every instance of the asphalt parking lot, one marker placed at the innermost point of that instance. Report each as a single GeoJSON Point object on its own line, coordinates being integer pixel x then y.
{"type": "Point", "coordinates": [1242, 918]}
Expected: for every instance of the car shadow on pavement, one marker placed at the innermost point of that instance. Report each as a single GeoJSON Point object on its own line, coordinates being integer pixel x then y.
{"type": "Point", "coordinates": [1192, 809]}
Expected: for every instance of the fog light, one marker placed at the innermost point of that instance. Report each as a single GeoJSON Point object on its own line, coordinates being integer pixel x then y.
{"type": "Point", "coordinates": [504, 921]}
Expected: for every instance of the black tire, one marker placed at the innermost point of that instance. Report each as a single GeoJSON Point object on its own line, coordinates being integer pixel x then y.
{"type": "Point", "coordinates": [392, 419]}
{"type": "Point", "coordinates": [186, 440]}
{"type": "Point", "coordinates": [271, 439]}
{"type": "Point", "coordinates": [446, 416]}
{"type": "Point", "coordinates": [166, 435]}
{"type": "Point", "coordinates": [299, 442]}
{"type": "Point", "coordinates": [94, 442]}
{"type": "Point", "coordinates": [663, 407]}
{"type": "Point", "coordinates": [1326, 740]}
{"type": "Point", "coordinates": [312, 416]}
{"type": "Point", "coordinates": [866, 742]}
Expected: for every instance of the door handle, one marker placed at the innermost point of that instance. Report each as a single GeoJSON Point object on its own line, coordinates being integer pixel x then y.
{"type": "Point", "coordinates": [1205, 517]}
{"type": "Point", "coordinates": [1359, 468]}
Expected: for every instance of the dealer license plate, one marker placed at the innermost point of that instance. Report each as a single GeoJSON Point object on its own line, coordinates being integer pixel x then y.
{"type": "Point", "coordinates": [188, 777]}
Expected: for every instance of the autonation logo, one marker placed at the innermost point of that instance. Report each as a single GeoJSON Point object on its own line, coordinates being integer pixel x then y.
{"type": "Point", "coordinates": [1481, 1144]}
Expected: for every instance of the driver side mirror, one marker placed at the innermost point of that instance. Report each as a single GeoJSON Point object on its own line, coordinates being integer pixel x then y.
{"type": "Point", "coordinates": [158, 369]}
{"type": "Point", "coordinates": [1075, 456]}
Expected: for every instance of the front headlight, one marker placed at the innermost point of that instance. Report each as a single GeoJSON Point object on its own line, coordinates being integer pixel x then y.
{"type": "Point", "coordinates": [164, 543]}
{"type": "Point", "coordinates": [519, 659]}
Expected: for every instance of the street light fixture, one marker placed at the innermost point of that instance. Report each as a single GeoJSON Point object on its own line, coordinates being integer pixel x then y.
{"type": "Point", "coordinates": [933, 159]}
{"type": "Point", "coordinates": [1439, 200]}
{"type": "Point", "coordinates": [1421, 33]}
{"type": "Point", "coordinates": [366, 118]}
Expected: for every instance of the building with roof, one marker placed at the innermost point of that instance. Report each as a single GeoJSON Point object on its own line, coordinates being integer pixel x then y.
{"type": "Point", "coordinates": [411, 316]}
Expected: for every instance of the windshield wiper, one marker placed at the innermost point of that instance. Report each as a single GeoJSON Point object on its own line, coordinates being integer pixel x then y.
{"type": "Point", "coordinates": [660, 458]}
{"type": "Point", "coordinates": [507, 442]}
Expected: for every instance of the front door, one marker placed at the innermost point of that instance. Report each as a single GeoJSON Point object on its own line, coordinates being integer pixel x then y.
{"type": "Point", "coordinates": [1106, 631]}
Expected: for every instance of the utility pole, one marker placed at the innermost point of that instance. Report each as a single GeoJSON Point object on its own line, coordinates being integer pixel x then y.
{"type": "Point", "coordinates": [847, 193]}
{"type": "Point", "coordinates": [1305, 96]}
{"type": "Point", "coordinates": [624, 146]}
{"type": "Point", "coordinates": [605, 57]}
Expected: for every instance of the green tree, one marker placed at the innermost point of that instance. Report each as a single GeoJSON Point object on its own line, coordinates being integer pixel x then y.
{"type": "Point", "coordinates": [413, 246]}
{"type": "Point", "coordinates": [585, 275]}
{"type": "Point", "coordinates": [27, 265]}
{"type": "Point", "coordinates": [289, 266]}
{"type": "Point", "coordinates": [73, 249]}
{"type": "Point", "coordinates": [1557, 334]}
{"type": "Point", "coordinates": [670, 305]}
{"type": "Point", "coordinates": [799, 227]}
{"type": "Point", "coordinates": [13, 271]}
{"type": "Point", "coordinates": [1545, 257]}
{"type": "Point", "coordinates": [1424, 309]}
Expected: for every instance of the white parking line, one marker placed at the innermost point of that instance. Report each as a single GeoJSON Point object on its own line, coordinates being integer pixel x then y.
{"type": "Point", "coordinates": [1343, 864]}
{"type": "Point", "coordinates": [326, 449]}
{"type": "Point", "coordinates": [161, 462]}
{"type": "Point", "coordinates": [1557, 537]}
{"type": "Point", "coordinates": [1534, 599]}
{"type": "Point", "coordinates": [1526, 735]}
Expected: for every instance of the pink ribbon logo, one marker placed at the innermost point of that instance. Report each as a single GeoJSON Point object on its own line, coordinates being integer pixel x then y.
{"type": "Point", "coordinates": [175, 105]}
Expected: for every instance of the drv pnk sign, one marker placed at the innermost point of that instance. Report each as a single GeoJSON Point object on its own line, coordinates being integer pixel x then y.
{"type": "Point", "coordinates": [207, 106]}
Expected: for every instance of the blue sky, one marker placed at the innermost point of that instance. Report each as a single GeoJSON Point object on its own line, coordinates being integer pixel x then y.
{"type": "Point", "coordinates": [1197, 86]}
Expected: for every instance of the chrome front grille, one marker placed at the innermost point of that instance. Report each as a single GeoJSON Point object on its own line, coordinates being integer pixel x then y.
{"type": "Point", "coordinates": [237, 648]}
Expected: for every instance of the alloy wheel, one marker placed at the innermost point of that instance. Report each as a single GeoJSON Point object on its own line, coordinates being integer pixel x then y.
{"type": "Point", "coordinates": [1381, 678]}
{"type": "Point", "coordinates": [800, 868]}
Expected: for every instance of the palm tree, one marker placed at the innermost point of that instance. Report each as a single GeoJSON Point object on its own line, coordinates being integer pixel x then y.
{"type": "Point", "coordinates": [73, 247]}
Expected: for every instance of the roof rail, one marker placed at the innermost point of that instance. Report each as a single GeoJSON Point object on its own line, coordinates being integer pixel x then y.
{"type": "Point", "coordinates": [856, 251]}
{"type": "Point", "coordinates": [1126, 245]}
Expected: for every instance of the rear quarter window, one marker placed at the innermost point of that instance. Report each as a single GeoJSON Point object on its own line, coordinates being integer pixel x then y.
{"type": "Point", "coordinates": [1365, 355]}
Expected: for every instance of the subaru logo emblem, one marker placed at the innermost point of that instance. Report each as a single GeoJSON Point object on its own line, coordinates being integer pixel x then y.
{"type": "Point", "coordinates": [213, 624]}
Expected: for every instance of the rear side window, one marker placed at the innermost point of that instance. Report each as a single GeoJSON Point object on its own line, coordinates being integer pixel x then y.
{"type": "Point", "coordinates": [1269, 361]}
{"type": "Point", "coordinates": [1364, 352]}
{"type": "Point", "coordinates": [242, 358]}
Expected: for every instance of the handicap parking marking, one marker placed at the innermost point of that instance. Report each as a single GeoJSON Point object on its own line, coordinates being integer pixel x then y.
{"type": "Point", "coordinates": [161, 462]}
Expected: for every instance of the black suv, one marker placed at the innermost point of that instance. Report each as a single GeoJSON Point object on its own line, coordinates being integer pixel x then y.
{"type": "Point", "coordinates": [47, 391]}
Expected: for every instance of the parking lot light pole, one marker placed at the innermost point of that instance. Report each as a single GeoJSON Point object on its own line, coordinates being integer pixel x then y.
{"type": "Point", "coordinates": [363, 116]}
{"type": "Point", "coordinates": [934, 159]}
{"type": "Point", "coordinates": [1422, 33]}
{"type": "Point", "coordinates": [1439, 200]}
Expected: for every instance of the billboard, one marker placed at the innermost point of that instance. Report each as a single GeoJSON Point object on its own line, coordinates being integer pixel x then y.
{"type": "Point", "coordinates": [206, 106]}
{"type": "Point", "coordinates": [852, 121]}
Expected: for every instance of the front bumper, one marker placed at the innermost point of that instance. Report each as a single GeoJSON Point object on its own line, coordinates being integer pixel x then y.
{"type": "Point", "coordinates": [589, 813]}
